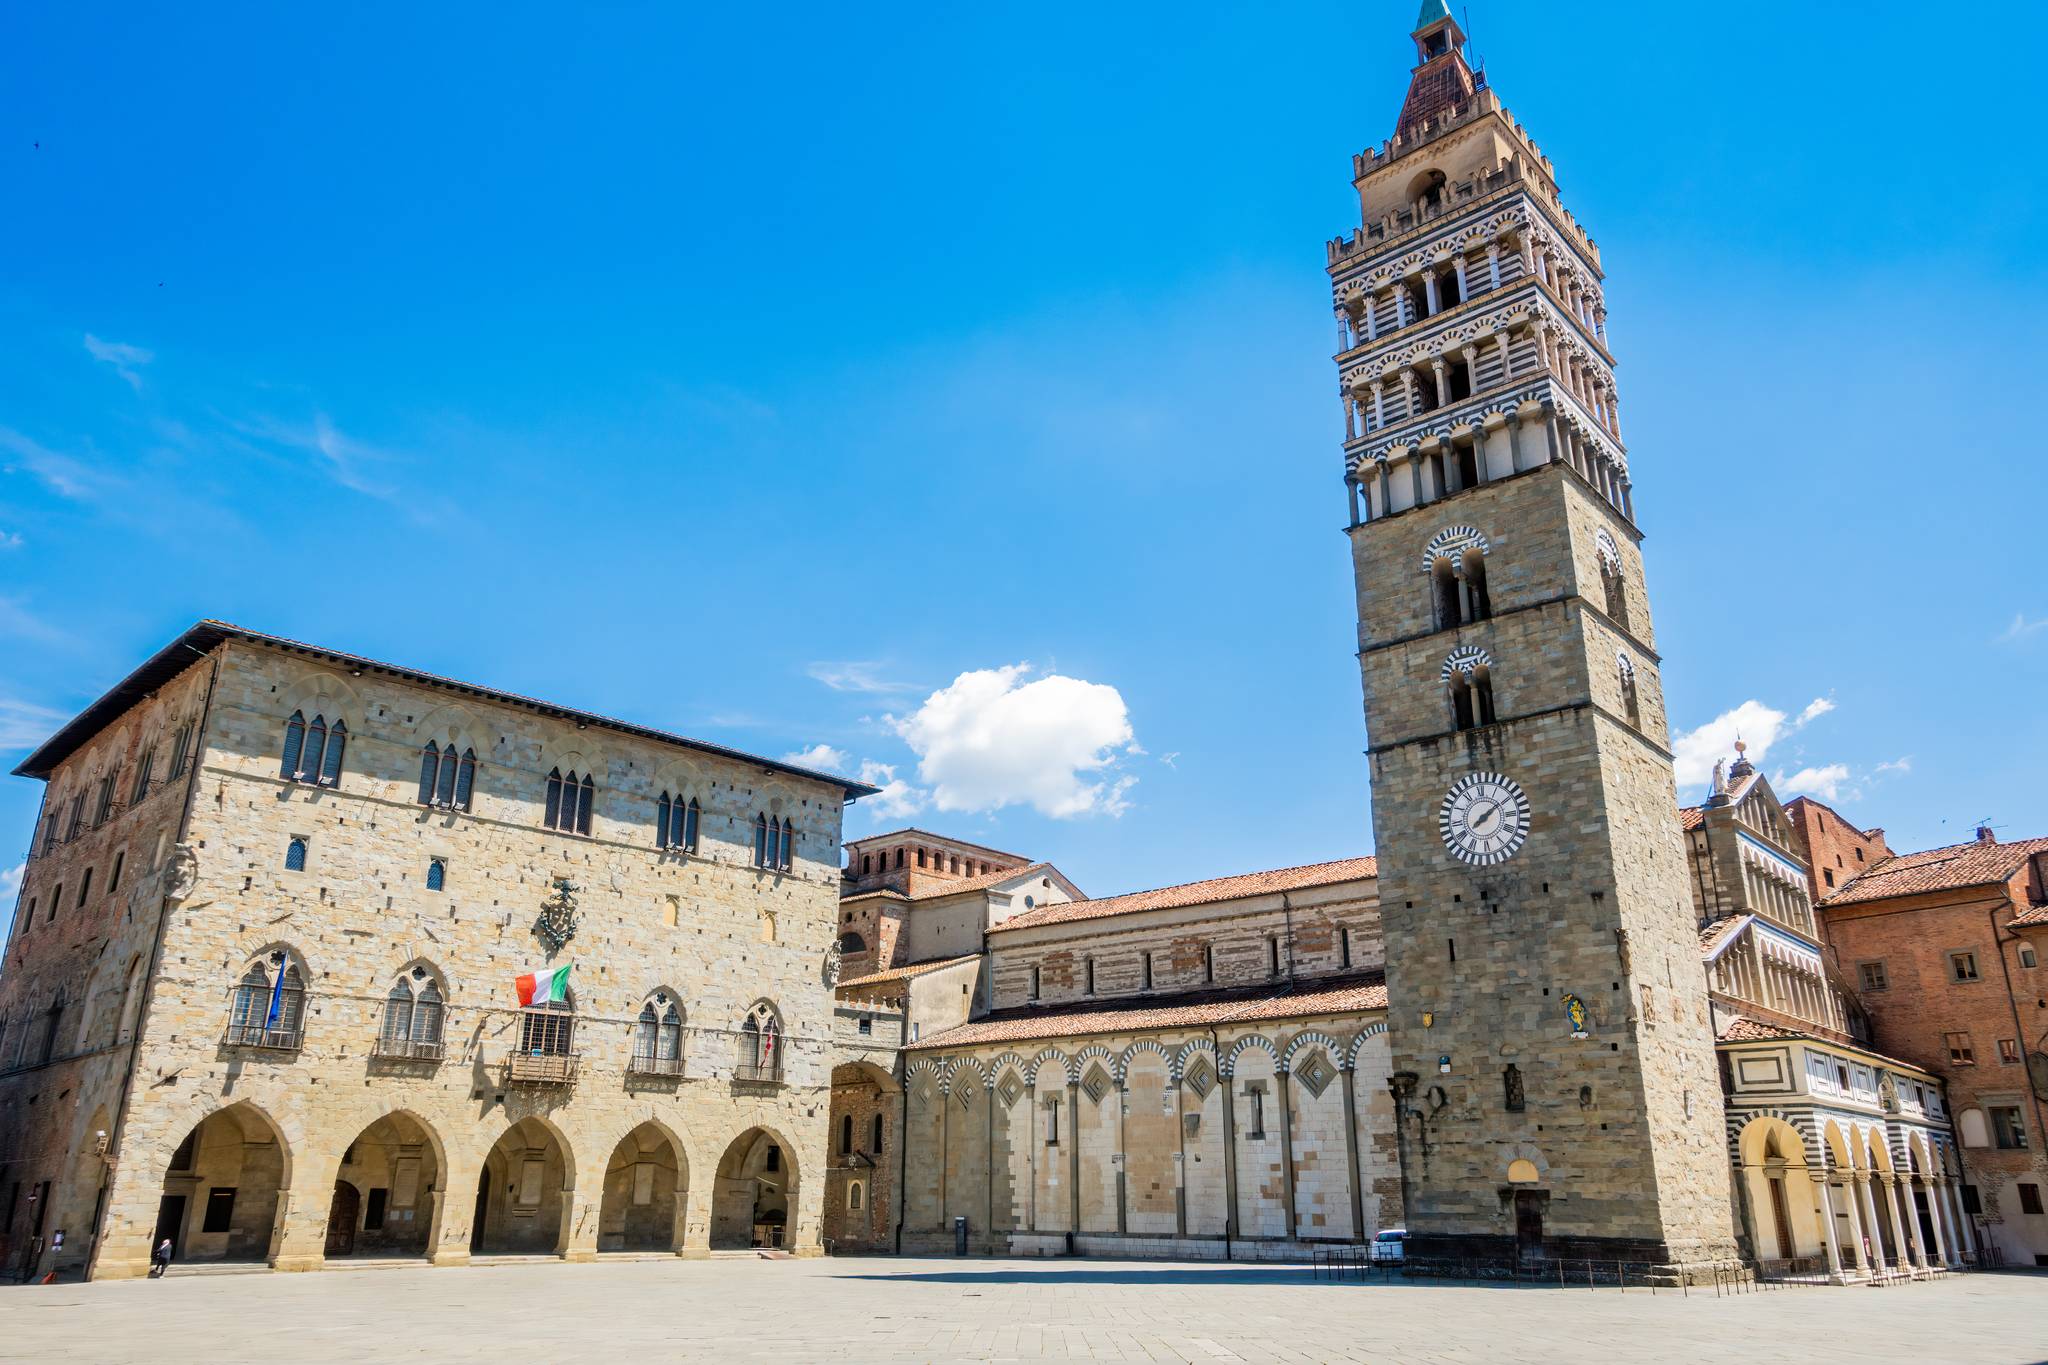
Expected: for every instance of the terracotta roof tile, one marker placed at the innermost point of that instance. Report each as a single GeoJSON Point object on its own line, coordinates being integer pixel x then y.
{"type": "Point", "coordinates": [1719, 932]}
{"type": "Point", "coordinates": [1196, 893]}
{"type": "Point", "coordinates": [2033, 914]}
{"type": "Point", "coordinates": [906, 972]}
{"type": "Point", "coordinates": [953, 888]}
{"type": "Point", "coordinates": [1692, 817]}
{"type": "Point", "coordinates": [1322, 995]}
{"type": "Point", "coordinates": [1938, 869]}
{"type": "Point", "coordinates": [912, 830]}
{"type": "Point", "coordinates": [1742, 1029]}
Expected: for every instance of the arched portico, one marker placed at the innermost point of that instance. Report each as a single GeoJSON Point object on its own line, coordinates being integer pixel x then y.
{"type": "Point", "coordinates": [646, 1197]}
{"type": "Point", "coordinates": [221, 1188]}
{"type": "Point", "coordinates": [523, 1192]}
{"type": "Point", "coordinates": [389, 1192]}
{"type": "Point", "coordinates": [754, 1198]}
{"type": "Point", "coordinates": [1780, 1188]}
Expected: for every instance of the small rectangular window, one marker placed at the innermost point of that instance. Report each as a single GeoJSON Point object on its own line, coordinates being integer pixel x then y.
{"type": "Point", "coordinates": [1272, 955]}
{"type": "Point", "coordinates": [1963, 967]}
{"type": "Point", "coordinates": [56, 895]}
{"type": "Point", "coordinates": [2008, 1128]}
{"type": "Point", "coordinates": [84, 889]}
{"type": "Point", "coordinates": [867, 1025]}
{"type": "Point", "coordinates": [2030, 1198]}
{"type": "Point", "coordinates": [220, 1211]}
{"type": "Point", "coordinates": [2027, 958]}
{"type": "Point", "coordinates": [1208, 964]}
{"type": "Point", "coordinates": [373, 1211]}
{"type": "Point", "coordinates": [1344, 947]}
{"type": "Point", "coordinates": [1972, 1204]}
{"type": "Point", "coordinates": [2008, 1050]}
{"type": "Point", "coordinates": [1052, 1121]}
{"type": "Point", "coordinates": [114, 878]}
{"type": "Point", "coordinates": [1872, 976]}
{"type": "Point", "coordinates": [1829, 874]}
{"type": "Point", "coordinates": [1959, 1050]}
{"type": "Point", "coordinates": [1034, 983]}
{"type": "Point", "coordinates": [1148, 971]}
{"type": "Point", "coordinates": [1090, 988]}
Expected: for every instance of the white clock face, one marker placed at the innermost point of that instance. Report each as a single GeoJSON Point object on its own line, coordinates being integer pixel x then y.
{"type": "Point", "coordinates": [1484, 819]}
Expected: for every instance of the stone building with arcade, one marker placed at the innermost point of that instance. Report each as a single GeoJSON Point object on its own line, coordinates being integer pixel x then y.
{"type": "Point", "coordinates": [259, 998]}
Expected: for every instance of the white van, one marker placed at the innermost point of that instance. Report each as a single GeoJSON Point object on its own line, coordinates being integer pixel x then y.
{"type": "Point", "coordinates": [1390, 1245]}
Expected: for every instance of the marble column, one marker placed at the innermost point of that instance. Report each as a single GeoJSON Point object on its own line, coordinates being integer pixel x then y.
{"type": "Point", "coordinates": [1827, 1228]}
{"type": "Point", "coordinates": [1493, 265]}
{"type": "Point", "coordinates": [1429, 292]}
{"type": "Point", "coordinates": [1458, 266]}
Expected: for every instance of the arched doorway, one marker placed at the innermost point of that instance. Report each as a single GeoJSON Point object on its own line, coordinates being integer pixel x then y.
{"type": "Point", "coordinates": [220, 1192]}
{"type": "Point", "coordinates": [522, 1196]}
{"type": "Point", "coordinates": [859, 1158]}
{"type": "Point", "coordinates": [1784, 1205]}
{"type": "Point", "coordinates": [646, 1193]}
{"type": "Point", "coordinates": [392, 1173]}
{"type": "Point", "coordinates": [753, 1200]}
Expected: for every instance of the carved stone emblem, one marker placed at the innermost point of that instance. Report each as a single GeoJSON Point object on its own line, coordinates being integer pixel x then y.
{"type": "Point", "coordinates": [557, 922]}
{"type": "Point", "coordinates": [832, 965]}
{"type": "Point", "coordinates": [182, 875]}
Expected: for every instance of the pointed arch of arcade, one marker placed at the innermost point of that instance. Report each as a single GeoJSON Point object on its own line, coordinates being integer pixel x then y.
{"type": "Point", "coordinates": [1779, 1184]}
{"type": "Point", "coordinates": [524, 1188]}
{"type": "Point", "coordinates": [390, 1190]}
{"type": "Point", "coordinates": [754, 1199]}
{"type": "Point", "coordinates": [645, 1204]}
{"type": "Point", "coordinates": [221, 1183]}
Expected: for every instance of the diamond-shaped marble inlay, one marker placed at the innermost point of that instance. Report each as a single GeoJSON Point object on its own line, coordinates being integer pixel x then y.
{"type": "Point", "coordinates": [1315, 1074]}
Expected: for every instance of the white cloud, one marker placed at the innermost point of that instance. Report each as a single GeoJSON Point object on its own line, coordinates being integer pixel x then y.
{"type": "Point", "coordinates": [1758, 726]}
{"type": "Point", "coordinates": [2021, 628]}
{"type": "Point", "coordinates": [24, 725]}
{"type": "Point", "coordinates": [1902, 764]}
{"type": "Point", "coordinates": [989, 740]}
{"type": "Point", "coordinates": [856, 676]}
{"type": "Point", "coordinates": [10, 540]}
{"type": "Point", "coordinates": [821, 758]}
{"type": "Point", "coordinates": [10, 880]}
{"type": "Point", "coordinates": [1825, 782]}
{"type": "Point", "coordinates": [125, 359]}
{"type": "Point", "coordinates": [897, 798]}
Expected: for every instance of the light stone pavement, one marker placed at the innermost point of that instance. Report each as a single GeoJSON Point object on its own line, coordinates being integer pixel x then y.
{"type": "Point", "coordinates": [855, 1310]}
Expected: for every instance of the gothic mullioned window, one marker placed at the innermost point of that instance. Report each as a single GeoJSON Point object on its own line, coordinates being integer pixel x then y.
{"type": "Point", "coordinates": [142, 777]}
{"type": "Point", "coordinates": [1631, 699]}
{"type": "Point", "coordinates": [269, 1005]}
{"type": "Point", "coordinates": [1614, 589]}
{"type": "Point", "coordinates": [569, 800]}
{"type": "Point", "coordinates": [447, 778]}
{"type": "Point", "coordinates": [675, 823]}
{"type": "Point", "coordinates": [658, 1039]}
{"type": "Point", "coordinates": [413, 1015]}
{"type": "Point", "coordinates": [181, 750]}
{"type": "Point", "coordinates": [1468, 678]}
{"type": "Point", "coordinates": [774, 843]}
{"type": "Point", "coordinates": [760, 1045]}
{"type": "Point", "coordinates": [313, 750]}
{"type": "Point", "coordinates": [1455, 562]}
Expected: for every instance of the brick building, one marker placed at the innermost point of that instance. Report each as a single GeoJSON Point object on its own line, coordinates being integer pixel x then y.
{"type": "Point", "coordinates": [1946, 947]}
{"type": "Point", "coordinates": [259, 998]}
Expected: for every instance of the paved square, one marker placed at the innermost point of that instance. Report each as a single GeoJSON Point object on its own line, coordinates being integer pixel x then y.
{"type": "Point", "coordinates": [937, 1310]}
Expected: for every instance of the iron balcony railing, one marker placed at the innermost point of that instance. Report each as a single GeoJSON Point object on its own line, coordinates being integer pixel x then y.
{"type": "Point", "coordinates": [647, 1064]}
{"type": "Point", "coordinates": [256, 1035]}
{"type": "Point", "coordinates": [541, 1068]}
{"type": "Point", "coordinates": [409, 1050]}
{"type": "Point", "coordinates": [766, 1072]}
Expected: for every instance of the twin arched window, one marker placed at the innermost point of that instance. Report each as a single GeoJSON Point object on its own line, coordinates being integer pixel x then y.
{"type": "Point", "coordinates": [1614, 587]}
{"type": "Point", "coordinates": [658, 1039]}
{"type": "Point", "coordinates": [760, 1046]}
{"type": "Point", "coordinates": [447, 778]}
{"type": "Point", "coordinates": [675, 823]}
{"type": "Point", "coordinates": [1472, 698]}
{"type": "Point", "coordinates": [774, 843]}
{"type": "Point", "coordinates": [569, 802]}
{"type": "Point", "coordinates": [313, 751]}
{"type": "Point", "coordinates": [269, 1008]}
{"type": "Point", "coordinates": [412, 1018]}
{"type": "Point", "coordinates": [1631, 700]}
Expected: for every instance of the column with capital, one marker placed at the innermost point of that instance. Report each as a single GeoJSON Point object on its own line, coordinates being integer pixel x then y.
{"type": "Point", "coordinates": [1464, 289]}
{"type": "Point", "coordinates": [1443, 383]}
{"type": "Point", "coordinates": [1372, 315]}
{"type": "Point", "coordinates": [1343, 329]}
{"type": "Point", "coordinates": [1909, 1238]}
{"type": "Point", "coordinates": [1379, 405]}
{"type": "Point", "coordinates": [1471, 354]}
{"type": "Point", "coordinates": [1407, 393]}
{"type": "Point", "coordinates": [1429, 292]}
{"type": "Point", "coordinates": [1402, 304]}
{"type": "Point", "coordinates": [1507, 357]}
{"type": "Point", "coordinates": [1827, 1227]}
{"type": "Point", "coordinates": [1351, 410]}
{"type": "Point", "coordinates": [1600, 325]}
{"type": "Point", "coordinates": [1871, 1229]}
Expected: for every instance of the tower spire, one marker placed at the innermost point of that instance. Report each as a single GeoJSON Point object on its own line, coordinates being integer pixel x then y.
{"type": "Point", "coordinates": [1441, 80]}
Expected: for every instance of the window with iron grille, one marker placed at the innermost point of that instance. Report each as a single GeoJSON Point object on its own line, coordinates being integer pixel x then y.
{"type": "Point", "coordinates": [412, 1017]}
{"type": "Point", "coordinates": [103, 807]}
{"type": "Point", "coordinates": [181, 750]}
{"type": "Point", "coordinates": [437, 874]}
{"type": "Point", "coordinates": [313, 750]}
{"type": "Point", "coordinates": [569, 801]}
{"type": "Point", "coordinates": [658, 1038]}
{"type": "Point", "coordinates": [774, 843]}
{"type": "Point", "coordinates": [447, 778]}
{"type": "Point", "coordinates": [295, 856]}
{"type": "Point", "coordinates": [77, 821]}
{"type": "Point", "coordinates": [142, 775]}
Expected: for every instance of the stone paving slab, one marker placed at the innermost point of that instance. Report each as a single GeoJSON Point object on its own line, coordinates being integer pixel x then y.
{"type": "Point", "coordinates": [885, 1310]}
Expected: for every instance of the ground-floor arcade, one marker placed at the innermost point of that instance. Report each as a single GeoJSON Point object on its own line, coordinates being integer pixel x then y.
{"type": "Point", "coordinates": [270, 1176]}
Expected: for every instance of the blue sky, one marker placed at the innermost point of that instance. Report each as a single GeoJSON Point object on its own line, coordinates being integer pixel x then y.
{"type": "Point", "coordinates": [760, 375]}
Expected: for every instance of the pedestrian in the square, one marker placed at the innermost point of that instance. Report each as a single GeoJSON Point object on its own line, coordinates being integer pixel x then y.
{"type": "Point", "coordinates": [160, 1259]}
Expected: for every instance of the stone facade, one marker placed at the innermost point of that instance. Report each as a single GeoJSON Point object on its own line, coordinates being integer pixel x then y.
{"type": "Point", "coordinates": [492, 1130]}
{"type": "Point", "coordinates": [1504, 634]}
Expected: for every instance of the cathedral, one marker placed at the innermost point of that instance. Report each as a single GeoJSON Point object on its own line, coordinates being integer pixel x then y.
{"type": "Point", "coordinates": [322, 957]}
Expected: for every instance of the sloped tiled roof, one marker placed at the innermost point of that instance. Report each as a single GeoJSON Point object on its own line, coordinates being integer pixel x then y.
{"type": "Point", "coordinates": [956, 887]}
{"type": "Point", "coordinates": [2033, 914]}
{"type": "Point", "coordinates": [1196, 893]}
{"type": "Point", "coordinates": [1939, 869]}
{"type": "Point", "coordinates": [912, 831]}
{"type": "Point", "coordinates": [1321, 995]}
{"type": "Point", "coordinates": [1691, 817]}
{"type": "Point", "coordinates": [906, 972]}
{"type": "Point", "coordinates": [1719, 932]}
{"type": "Point", "coordinates": [1742, 1029]}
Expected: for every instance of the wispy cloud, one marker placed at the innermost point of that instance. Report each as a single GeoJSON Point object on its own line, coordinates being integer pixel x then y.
{"type": "Point", "coordinates": [1901, 765]}
{"type": "Point", "coordinates": [10, 540]}
{"type": "Point", "coordinates": [342, 458]}
{"type": "Point", "coordinates": [23, 624]}
{"type": "Point", "coordinates": [61, 474]}
{"type": "Point", "coordinates": [1826, 783]}
{"type": "Point", "coordinates": [127, 360]}
{"type": "Point", "coordinates": [857, 676]}
{"type": "Point", "coordinates": [10, 881]}
{"type": "Point", "coordinates": [23, 725]}
{"type": "Point", "coordinates": [2022, 629]}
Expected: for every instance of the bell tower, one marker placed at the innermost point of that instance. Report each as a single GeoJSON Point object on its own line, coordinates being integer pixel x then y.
{"type": "Point", "coordinates": [1554, 1068]}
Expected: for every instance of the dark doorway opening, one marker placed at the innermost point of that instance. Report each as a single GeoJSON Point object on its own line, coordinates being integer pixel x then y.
{"type": "Point", "coordinates": [170, 1222]}
{"type": "Point", "coordinates": [483, 1210]}
{"type": "Point", "coordinates": [1529, 1225]}
{"type": "Point", "coordinates": [342, 1212]}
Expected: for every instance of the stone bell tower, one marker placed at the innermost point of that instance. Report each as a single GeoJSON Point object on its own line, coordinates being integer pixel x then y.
{"type": "Point", "coordinates": [1555, 1072]}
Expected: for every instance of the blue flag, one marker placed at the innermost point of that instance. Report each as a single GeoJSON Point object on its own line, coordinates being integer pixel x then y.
{"type": "Point", "coordinates": [277, 996]}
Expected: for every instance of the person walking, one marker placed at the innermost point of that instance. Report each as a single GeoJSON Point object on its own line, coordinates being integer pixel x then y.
{"type": "Point", "coordinates": [160, 1259]}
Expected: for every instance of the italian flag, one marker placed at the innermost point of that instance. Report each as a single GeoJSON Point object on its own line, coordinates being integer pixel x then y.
{"type": "Point", "coordinates": [543, 985]}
